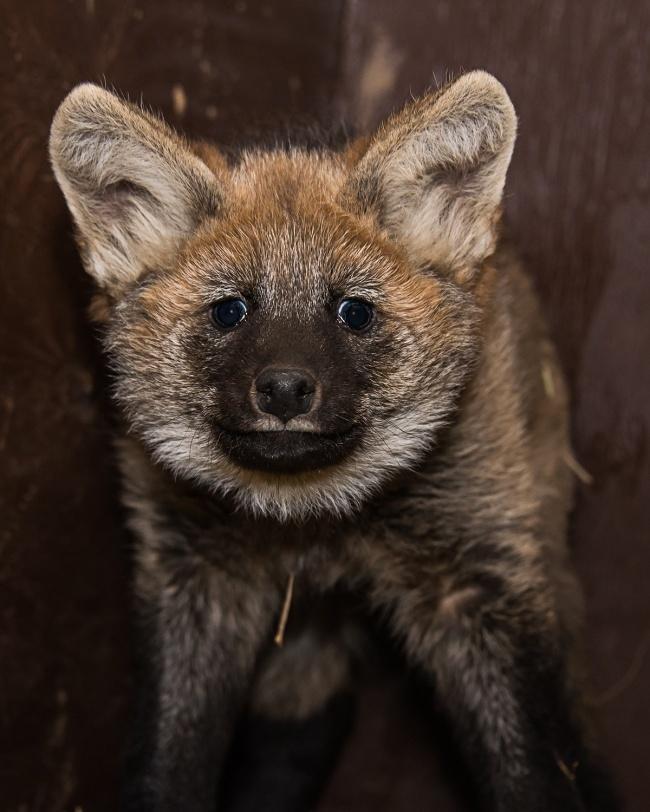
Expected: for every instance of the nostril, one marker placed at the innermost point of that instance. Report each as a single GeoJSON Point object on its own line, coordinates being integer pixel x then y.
{"type": "Point", "coordinates": [305, 390]}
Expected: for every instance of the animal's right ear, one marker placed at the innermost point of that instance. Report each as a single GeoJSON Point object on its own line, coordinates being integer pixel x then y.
{"type": "Point", "coordinates": [135, 189]}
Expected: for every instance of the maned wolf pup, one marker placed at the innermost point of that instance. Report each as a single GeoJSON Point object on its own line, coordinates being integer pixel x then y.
{"type": "Point", "coordinates": [332, 380]}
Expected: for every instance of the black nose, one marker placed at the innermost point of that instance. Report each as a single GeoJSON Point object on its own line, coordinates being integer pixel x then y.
{"type": "Point", "coordinates": [285, 392]}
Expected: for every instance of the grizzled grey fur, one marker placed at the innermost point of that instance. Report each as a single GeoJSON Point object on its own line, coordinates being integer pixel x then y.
{"type": "Point", "coordinates": [332, 374]}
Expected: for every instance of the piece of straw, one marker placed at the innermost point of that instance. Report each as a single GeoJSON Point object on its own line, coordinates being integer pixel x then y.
{"type": "Point", "coordinates": [581, 472]}
{"type": "Point", "coordinates": [284, 614]}
{"type": "Point", "coordinates": [548, 380]}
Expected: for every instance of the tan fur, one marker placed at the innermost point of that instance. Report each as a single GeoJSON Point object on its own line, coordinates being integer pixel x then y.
{"type": "Point", "coordinates": [449, 512]}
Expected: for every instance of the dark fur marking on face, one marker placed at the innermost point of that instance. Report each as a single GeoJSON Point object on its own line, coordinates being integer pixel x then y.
{"type": "Point", "coordinates": [287, 452]}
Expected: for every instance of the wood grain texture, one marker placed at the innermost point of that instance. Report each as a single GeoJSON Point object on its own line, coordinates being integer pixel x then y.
{"type": "Point", "coordinates": [63, 576]}
{"type": "Point", "coordinates": [578, 206]}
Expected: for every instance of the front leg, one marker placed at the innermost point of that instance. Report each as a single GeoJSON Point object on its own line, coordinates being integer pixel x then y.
{"type": "Point", "coordinates": [497, 654]}
{"type": "Point", "coordinates": [200, 631]}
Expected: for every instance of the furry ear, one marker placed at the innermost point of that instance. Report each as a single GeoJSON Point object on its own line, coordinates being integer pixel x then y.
{"type": "Point", "coordinates": [434, 172]}
{"type": "Point", "coordinates": [134, 188]}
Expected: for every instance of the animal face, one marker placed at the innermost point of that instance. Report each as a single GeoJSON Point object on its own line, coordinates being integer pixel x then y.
{"type": "Point", "coordinates": [292, 328]}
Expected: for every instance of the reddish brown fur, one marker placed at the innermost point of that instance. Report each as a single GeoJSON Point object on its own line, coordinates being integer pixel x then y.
{"type": "Point", "coordinates": [448, 512]}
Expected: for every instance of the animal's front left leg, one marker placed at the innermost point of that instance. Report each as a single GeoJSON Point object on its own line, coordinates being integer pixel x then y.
{"type": "Point", "coordinates": [497, 655]}
{"type": "Point", "coordinates": [199, 634]}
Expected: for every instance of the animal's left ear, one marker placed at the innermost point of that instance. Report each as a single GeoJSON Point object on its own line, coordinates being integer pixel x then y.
{"type": "Point", "coordinates": [434, 172]}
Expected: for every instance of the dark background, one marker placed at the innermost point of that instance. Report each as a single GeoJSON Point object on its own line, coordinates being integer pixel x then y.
{"type": "Point", "coordinates": [578, 204]}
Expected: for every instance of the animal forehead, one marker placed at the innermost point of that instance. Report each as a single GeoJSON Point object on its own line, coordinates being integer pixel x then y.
{"type": "Point", "coordinates": [287, 257]}
{"type": "Point", "coordinates": [288, 179]}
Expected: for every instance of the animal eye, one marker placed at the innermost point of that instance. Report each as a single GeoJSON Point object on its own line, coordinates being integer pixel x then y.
{"type": "Point", "coordinates": [229, 313]}
{"type": "Point", "coordinates": [355, 314]}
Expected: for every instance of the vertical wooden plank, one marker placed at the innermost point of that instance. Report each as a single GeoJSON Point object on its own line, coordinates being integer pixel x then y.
{"type": "Point", "coordinates": [578, 206]}
{"type": "Point", "coordinates": [213, 68]}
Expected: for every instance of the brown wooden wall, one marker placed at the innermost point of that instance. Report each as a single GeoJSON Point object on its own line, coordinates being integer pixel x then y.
{"type": "Point", "coordinates": [578, 205]}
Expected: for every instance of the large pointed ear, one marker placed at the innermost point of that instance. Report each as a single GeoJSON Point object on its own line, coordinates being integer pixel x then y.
{"type": "Point", "coordinates": [434, 172]}
{"type": "Point", "coordinates": [134, 188]}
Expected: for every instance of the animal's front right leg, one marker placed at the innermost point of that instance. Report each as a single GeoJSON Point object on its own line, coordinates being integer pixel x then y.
{"type": "Point", "coordinates": [199, 634]}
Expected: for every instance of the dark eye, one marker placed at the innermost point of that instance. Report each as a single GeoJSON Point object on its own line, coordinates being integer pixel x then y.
{"type": "Point", "coordinates": [229, 312]}
{"type": "Point", "coordinates": [355, 314]}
